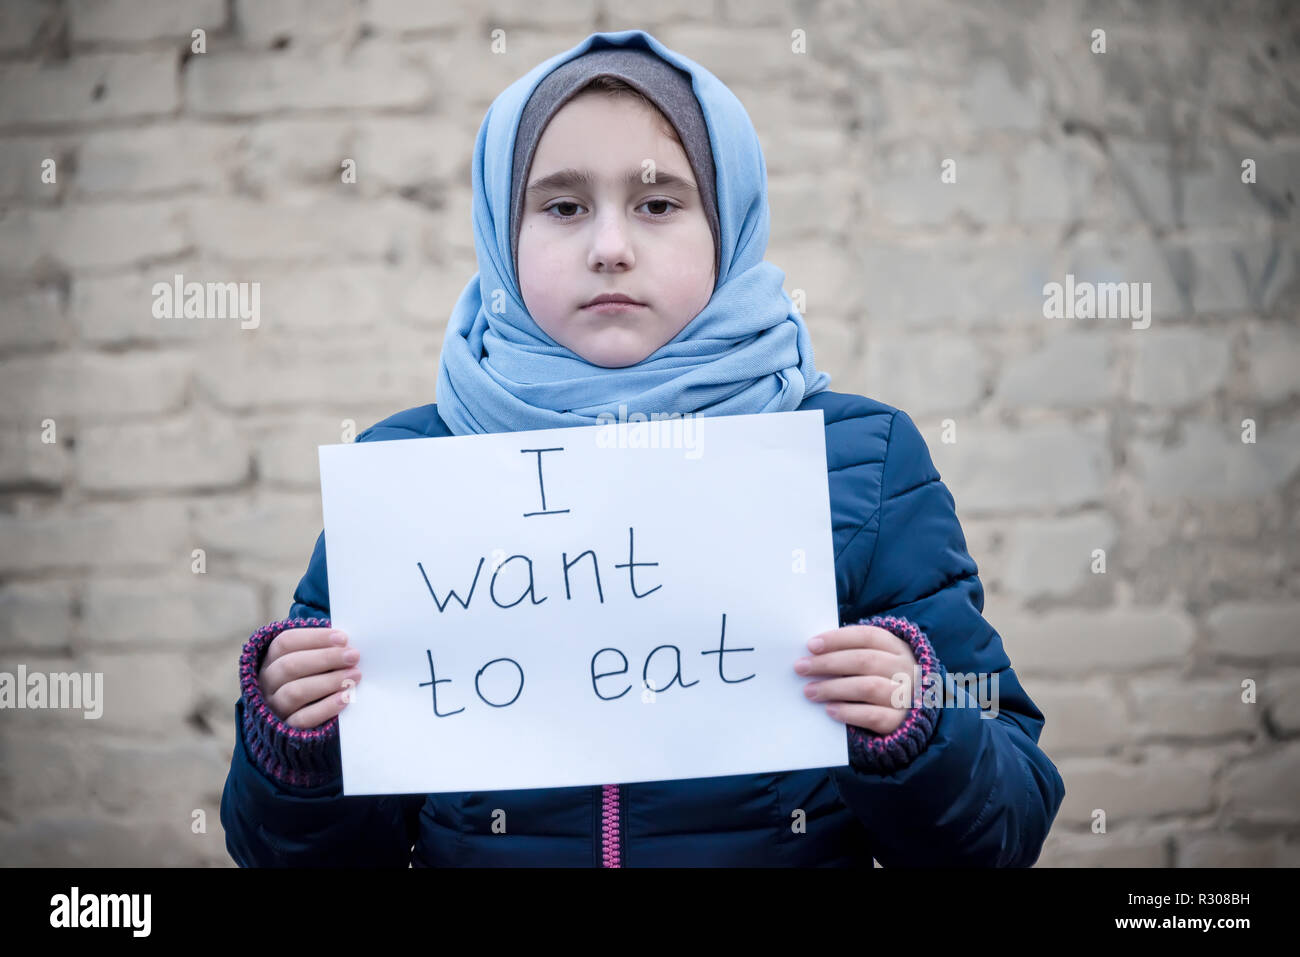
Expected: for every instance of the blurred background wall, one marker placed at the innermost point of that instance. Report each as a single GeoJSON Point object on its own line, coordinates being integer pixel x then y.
{"type": "Point", "coordinates": [159, 493]}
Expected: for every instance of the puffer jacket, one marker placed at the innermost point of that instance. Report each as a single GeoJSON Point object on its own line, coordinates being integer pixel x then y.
{"type": "Point", "coordinates": [948, 787]}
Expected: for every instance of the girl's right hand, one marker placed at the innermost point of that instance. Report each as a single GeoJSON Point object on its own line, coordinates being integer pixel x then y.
{"type": "Point", "coordinates": [308, 675]}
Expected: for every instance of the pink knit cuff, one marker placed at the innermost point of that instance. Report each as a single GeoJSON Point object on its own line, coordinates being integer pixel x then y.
{"type": "Point", "coordinates": [876, 753]}
{"type": "Point", "coordinates": [301, 757]}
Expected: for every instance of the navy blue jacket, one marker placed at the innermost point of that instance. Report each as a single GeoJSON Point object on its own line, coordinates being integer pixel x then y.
{"type": "Point", "coordinates": [949, 787]}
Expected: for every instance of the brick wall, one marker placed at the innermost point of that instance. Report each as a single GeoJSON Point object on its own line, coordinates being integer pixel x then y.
{"type": "Point", "coordinates": [130, 442]}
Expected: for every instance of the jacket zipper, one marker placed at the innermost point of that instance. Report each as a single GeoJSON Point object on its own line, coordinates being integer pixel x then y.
{"type": "Point", "coordinates": [610, 845]}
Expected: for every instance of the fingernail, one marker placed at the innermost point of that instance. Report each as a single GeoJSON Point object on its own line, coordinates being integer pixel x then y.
{"type": "Point", "coordinates": [802, 665]}
{"type": "Point", "coordinates": [816, 644]}
{"type": "Point", "coordinates": [351, 656]}
{"type": "Point", "coordinates": [338, 638]}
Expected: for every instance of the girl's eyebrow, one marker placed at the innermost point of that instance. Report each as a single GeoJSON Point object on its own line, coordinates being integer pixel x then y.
{"type": "Point", "coordinates": [573, 178]}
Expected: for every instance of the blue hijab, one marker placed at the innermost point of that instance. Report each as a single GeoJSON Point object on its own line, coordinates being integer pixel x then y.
{"type": "Point", "coordinates": [747, 351]}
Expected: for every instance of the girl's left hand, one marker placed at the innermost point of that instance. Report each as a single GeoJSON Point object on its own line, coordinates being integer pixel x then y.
{"type": "Point", "coordinates": [860, 667]}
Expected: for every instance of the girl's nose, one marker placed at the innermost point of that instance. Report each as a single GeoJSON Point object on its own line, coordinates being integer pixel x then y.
{"type": "Point", "coordinates": [611, 244]}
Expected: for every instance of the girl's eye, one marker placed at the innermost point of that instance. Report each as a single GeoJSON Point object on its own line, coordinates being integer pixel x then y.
{"type": "Point", "coordinates": [660, 202]}
{"type": "Point", "coordinates": [560, 214]}
{"type": "Point", "coordinates": [564, 215]}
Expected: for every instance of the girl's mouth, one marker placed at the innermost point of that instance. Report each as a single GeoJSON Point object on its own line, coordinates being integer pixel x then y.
{"type": "Point", "coordinates": [613, 308]}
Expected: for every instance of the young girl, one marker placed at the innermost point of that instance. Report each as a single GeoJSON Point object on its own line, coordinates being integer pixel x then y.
{"type": "Point", "coordinates": [605, 281]}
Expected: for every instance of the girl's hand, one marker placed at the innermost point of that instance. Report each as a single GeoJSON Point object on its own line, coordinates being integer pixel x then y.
{"type": "Point", "coordinates": [863, 670]}
{"type": "Point", "coordinates": [308, 675]}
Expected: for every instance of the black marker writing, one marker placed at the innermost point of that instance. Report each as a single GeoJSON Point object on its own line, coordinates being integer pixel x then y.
{"type": "Point", "coordinates": [530, 591]}
{"type": "Point", "coordinates": [595, 568]}
{"type": "Point", "coordinates": [541, 485]}
{"type": "Point", "coordinates": [676, 677]}
{"type": "Point", "coordinates": [722, 650]}
{"type": "Point", "coordinates": [631, 567]}
{"type": "Point", "coordinates": [434, 680]}
{"type": "Point", "coordinates": [606, 674]}
{"type": "Point", "coordinates": [517, 690]}
{"type": "Point", "coordinates": [492, 589]}
{"type": "Point", "coordinates": [596, 676]}
{"type": "Point", "coordinates": [452, 594]}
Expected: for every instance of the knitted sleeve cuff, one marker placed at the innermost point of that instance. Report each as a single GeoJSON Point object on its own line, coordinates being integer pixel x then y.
{"type": "Point", "coordinates": [875, 753]}
{"type": "Point", "coordinates": [301, 757]}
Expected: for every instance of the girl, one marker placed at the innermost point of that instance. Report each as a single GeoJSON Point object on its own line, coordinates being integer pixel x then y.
{"type": "Point", "coordinates": [621, 221]}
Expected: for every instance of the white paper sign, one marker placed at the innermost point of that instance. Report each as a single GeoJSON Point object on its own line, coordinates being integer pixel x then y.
{"type": "Point", "coordinates": [582, 606]}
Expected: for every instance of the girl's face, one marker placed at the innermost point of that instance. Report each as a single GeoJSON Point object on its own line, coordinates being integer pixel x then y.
{"type": "Point", "coordinates": [608, 232]}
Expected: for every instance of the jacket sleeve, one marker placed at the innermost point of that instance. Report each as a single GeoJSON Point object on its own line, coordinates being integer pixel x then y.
{"type": "Point", "coordinates": [283, 804]}
{"type": "Point", "coordinates": [956, 785]}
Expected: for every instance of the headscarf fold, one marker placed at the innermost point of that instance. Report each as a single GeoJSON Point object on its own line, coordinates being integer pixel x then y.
{"type": "Point", "coordinates": [747, 351]}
